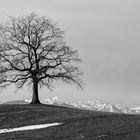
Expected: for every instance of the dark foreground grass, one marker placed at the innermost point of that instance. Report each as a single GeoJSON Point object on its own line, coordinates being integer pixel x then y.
{"type": "Point", "coordinates": [77, 124]}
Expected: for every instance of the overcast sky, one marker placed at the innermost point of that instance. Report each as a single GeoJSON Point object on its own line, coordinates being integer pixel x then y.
{"type": "Point", "coordinates": [107, 35]}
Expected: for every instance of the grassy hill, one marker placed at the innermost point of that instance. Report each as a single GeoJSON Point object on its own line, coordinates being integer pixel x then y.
{"type": "Point", "coordinates": [77, 124]}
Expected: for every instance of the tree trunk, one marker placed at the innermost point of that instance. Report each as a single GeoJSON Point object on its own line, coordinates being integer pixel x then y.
{"type": "Point", "coordinates": [35, 98]}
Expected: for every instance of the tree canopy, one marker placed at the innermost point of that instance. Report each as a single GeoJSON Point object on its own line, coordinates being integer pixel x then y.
{"type": "Point", "coordinates": [33, 52]}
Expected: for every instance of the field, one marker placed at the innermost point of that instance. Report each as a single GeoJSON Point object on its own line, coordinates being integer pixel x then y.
{"type": "Point", "coordinates": [77, 124]}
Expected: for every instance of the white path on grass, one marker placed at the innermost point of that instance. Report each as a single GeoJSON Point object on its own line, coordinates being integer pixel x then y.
{"type": "Point", "coordinates": [30, 127]}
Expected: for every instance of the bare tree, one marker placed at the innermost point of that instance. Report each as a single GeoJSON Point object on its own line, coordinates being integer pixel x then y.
{"type": "Point", "coordinates": [33, 52]}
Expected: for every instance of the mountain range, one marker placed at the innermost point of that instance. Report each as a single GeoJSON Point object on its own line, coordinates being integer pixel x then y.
{"type": "Point", "coordinates": [86, 105]}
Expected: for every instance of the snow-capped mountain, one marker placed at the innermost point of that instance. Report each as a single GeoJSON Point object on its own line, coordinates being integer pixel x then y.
{"type": "Point", "coordinates": [96, 105]}
{"type": "Point", "coordinates": [88, 105]}
{"type": "Point", "coordinates": [55, 100]}
{"type": "Point", "coordinates": [92, 105]}
{"type": "Point", "coordinates": [128, 110]}
{"type": "Point", "coordinates": [136, 109]}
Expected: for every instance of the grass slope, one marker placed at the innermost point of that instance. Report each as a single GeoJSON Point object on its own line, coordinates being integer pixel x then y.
{"type": "Point", "coordinates": [78, 124]}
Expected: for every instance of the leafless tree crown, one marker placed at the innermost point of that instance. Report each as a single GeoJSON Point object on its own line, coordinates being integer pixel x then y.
{"type": "Point", "coordinates": [32, 48]}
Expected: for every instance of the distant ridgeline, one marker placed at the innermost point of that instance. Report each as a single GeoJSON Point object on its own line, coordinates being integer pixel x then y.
{"type": "Point", "coordinates": [86, 105]}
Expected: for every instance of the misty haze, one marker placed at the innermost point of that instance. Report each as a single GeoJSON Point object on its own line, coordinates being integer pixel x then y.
{"type": "Point", "coordinates": [69, 70]}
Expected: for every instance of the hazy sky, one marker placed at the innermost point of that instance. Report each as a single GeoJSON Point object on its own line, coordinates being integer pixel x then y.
{"type": "Point", "coordinates": [107, 35]}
